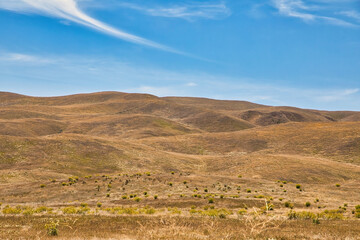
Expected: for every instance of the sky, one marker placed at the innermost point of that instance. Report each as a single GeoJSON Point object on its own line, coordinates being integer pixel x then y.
{"type": "Point", "coordinates": [302, 53]}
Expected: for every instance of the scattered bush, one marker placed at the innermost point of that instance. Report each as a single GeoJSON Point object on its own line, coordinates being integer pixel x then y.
{"type": "Point", "coordinates": [42, 185]}
{"type": "Point", "coordinates": [298, 186]}
{"type": "Point", "coordinates": [52, 228]}
{"type": "Point", "coordinates": [307, 204]}
{"type": "Point", "coordinates": [337, 185]}
{"type": "Point", "coordinates": [289, 205]}
{"type": "Point", "coordinates": [156, 197]}
{"type": "Point", "coordinates": [211, 200]}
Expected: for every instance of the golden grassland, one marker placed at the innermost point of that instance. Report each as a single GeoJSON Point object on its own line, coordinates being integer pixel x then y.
{"type": "Point", "coordinates": [133, 166]}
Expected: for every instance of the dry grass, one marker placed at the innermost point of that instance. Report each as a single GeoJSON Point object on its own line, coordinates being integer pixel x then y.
{"type": "Point", "coordinates": [115, 144]}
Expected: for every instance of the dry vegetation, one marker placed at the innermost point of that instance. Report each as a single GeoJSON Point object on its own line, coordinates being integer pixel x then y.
{"type": "Point", "coordinates": [133, 166]}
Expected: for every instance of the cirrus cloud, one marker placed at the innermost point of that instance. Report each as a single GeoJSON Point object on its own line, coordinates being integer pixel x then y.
{"type": "Point", "coordinates": [70, 11]}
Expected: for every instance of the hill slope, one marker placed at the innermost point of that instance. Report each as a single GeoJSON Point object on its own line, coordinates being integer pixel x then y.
{"type": "Point", "coordinates": [207, 141]}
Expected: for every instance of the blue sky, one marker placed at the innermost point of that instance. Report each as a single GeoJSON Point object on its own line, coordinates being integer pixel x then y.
{"type": "Point", "coordinates": [303, 53]}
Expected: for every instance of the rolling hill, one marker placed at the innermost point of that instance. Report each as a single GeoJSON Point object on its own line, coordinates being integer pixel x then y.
{"type": "Point", "coordinates": [205, 142]}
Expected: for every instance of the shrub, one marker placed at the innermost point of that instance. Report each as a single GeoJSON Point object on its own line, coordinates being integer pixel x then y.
{"type": "Point", "coordinates": [156, 197]}
{"type": "Point", "coordinates": [302, 215]}
{"type": "Point", "coordinates": [185, 182]}
{"type": "Point", "coordinates": [170, 184]}
{"type": "Point", "coordinates": [145, 193]}
{"type": "Point", "coordinates": [108, 195]}
{"type": "Point", "coordinates": [337, 185]}
{"type": "Point", "coordinates": [12, 210]}
{"type": "Point", "coordinates": [172, 172]}
{"type": "Point", "coordinates": [221, 196]}
{"type": "Point", "coordinates": [124, 197]}
{"type": "Point", "coordinates": [52, 228]}
{"type": "Point", "coordinates": [357, 211]}
{"type": "Point", "coordinates": [150, 210]}
{"type": "Point", "coordinates": [83, 205]}
{"type": "Point", "coordinates": [248, 190]}
{"type": "Point", "coordinates": [42, 185]}
{"type": "Point", "coordinates": [239, 176]}
{"type": "Point", "coordinates": [298, 186]}
{"type": "Point", "coordinates": [211, 200]}
{"type": "Point", "coordinates": [241, 212]}
{"type": "Point", "coordinates": [148, 174]}
{"type": "Point", "coordinates": [332, 214]}
{"type": "Point", "coordinates": [99, 204]}
{"type": "Point", "coordinates": [289, 205]}
{"type": "Point", "coordinates": [75, 210]}
{"type": "Point", "coordinates": [307, 204]}
{"type": "Point", "coordinates": [137, 199]}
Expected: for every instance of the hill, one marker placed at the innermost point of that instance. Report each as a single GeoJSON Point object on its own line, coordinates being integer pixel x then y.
{"type": "Point", "coordinates": [120, 144]}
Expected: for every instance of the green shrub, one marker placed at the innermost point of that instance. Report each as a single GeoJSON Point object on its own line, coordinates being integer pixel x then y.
{"type": "Point", "coordinates": [156, 197]}
{"type": "Point", "coordinates": [302, 215]}
{"type": "Point", "coordinates": [99, 204]}
{"type": "Point", "coordinates": [124, 197]}
{"type": "Point", "coordinates": [307, 204]}
{"type": "Point", "coordinates": [298, 186]}
{"type": "Point", "coordinates": [52, 228]}
{"type": "Point", "coordinates": [12, 210]}
{"type": "Point", "coordinates": [241, 212]}
{"type": "Point", "coordinates": [211, 200]}
{"type": "Point", "coordinates": [239, 176]}
{"type": "Point", "coordinates": [289, 205]}
{"type": "Point", "coordinates": [185, 182]}
{"type": "Point", "coordinates": [170, 184]}
{"type": "Point", "coordinates": [357, 211]}
{"type": "Point", "coordinates": [337, 185]}
{"type": "Point", "coordinates": [83, 204]}
{"type": "Point", "coordinates": [332, 214]}
{"type": "Point", "coordinates": [137, 199]}
{"type": "Point", "coordinates": [248, 190]}
{"type": "Point", "coordinates": [42, 185]}
{"type": "Point", "coordinates": [75, 210]}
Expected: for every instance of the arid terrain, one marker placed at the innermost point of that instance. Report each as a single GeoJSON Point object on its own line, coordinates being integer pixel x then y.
{"type": "Point", "coordinates": [113, 165]}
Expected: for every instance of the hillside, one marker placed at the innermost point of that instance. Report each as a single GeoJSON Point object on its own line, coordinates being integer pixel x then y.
{"type": "Point", "coordinates": [112, 138]}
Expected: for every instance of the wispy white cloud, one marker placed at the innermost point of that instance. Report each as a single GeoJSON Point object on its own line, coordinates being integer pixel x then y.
{"type": "Point", "coordinates": [24, 58]}
{"type": "Point", "coordinates": [351, 14]}
{"type": "Point", "coordinates": [338, 95]}
{"type": "Point", "coordinates": [69, 10]}
{"type": "Point", "coordinates": [187, 11]}
{"type": "Point", "coordinates": [309, 13]}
